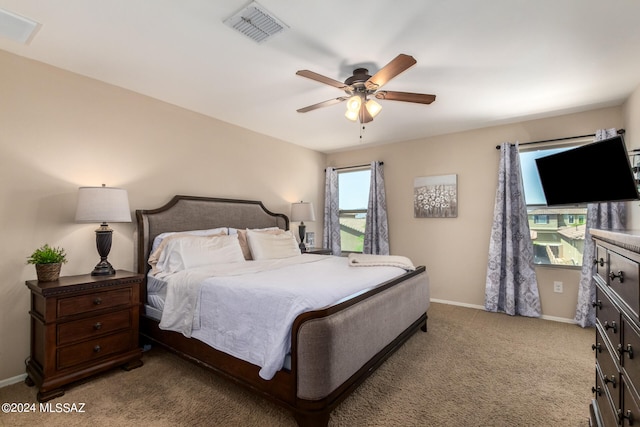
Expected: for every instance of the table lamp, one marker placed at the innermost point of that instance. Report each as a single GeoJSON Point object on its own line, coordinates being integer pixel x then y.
{"type": "Point", "coordinates": [302, 211]}
{"type": "Point", "coordinates": [102, 205]}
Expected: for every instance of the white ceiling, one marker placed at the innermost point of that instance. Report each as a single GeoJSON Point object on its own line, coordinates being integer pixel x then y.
{"type": "Point", "coordinates": [489, 62]}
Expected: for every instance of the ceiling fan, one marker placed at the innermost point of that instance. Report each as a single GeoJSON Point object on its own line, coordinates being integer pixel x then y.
{"type": "Point", "coordinates": [361, 87]}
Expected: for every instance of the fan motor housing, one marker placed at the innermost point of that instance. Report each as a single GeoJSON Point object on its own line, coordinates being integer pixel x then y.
{"type": "Point", "coordinates": [360, 75]}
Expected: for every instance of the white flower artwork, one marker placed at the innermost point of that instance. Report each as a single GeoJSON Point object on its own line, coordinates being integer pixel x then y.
{"type": "Point", "coordinates": [435, 196]}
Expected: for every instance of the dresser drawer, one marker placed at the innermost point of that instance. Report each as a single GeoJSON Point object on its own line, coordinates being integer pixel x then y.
{"type": "Point", "coordinates": [609, 371]}
{"type": "Point", "coordinates": [630, 415]}
{"type": "Point", "coordinates": [630, 350]}
{"type": "Point", "coordinates": [94, 349]}
{"type": "Point", "coordinates": [608, 316]}
{"type": "Point", "coordinates": [606, 408]}
{"type": "Point", "coordinates": [602, 263]}
{"type": "Point", "coordinates": [623, 279]}
{"type": "Point", "coordinates": [95, 301]}
{"type": "Point", "coordinates": [80, 330]}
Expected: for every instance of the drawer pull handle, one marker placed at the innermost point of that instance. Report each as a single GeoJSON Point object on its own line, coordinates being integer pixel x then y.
{"type": "Point", "coordinates": [597, 304]}
{"type": "Point", "coordinates": [598, 262]}
{"type": "Point", "coordinates": [628, 350]}
{"type": "Point", "coordinates": [97, 349]}
{"type": "Point", "coordinates": [97, 301]}
{"type": "Point", "coordinates": [597, 390]}
{"type": "Point", "coordinates": [628, 416]}
{"type": "Point", "coordinates": [620, 276]}
{"type": "Point", "coordinates": [611, 380]}
{"type": "Point", "coordinates": [97, 326]}
{"type": "Point", "coordinates": [597, 346]}
{"type": "Point", "coordinates": [613, 326]}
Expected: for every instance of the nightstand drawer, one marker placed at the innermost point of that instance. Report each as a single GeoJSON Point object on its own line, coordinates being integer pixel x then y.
{"type": "Point", "coordinates": [89, 350]}
{"type": "Point", "coordinates": [79, 330]}
{"type": "Point", "coordinates": [91, 302]}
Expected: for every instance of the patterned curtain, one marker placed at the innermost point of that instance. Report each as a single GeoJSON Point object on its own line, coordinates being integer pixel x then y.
{"type": "Point", "coordinates": [376, 229]}
{"type": "Point", "coordinates": [331, 231]}
{"type": "Point", "coordinates": [610, 216]}
{"type": "Point", "coordinates": [511, 285]}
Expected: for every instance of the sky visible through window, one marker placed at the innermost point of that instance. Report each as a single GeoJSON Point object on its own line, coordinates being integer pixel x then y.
{"type": "Point", "coordinates": [531, 181]}
{"type": "Point", "coordinates": [354, 189]}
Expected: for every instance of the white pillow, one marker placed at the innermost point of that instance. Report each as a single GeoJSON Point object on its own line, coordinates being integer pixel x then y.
{"type": "Point", "coordinates": [160, 237]}
{"type": "Point", "coordinates": [190, 251]}
{"type": "Point", "coordinates": [272, 246]}
{"type": "Point", "coordinates": [242, 238]}
{"type": "Point", "coordinates": [165, 238]}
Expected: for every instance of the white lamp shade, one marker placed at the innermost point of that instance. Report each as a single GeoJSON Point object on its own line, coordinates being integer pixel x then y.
{"type": "Point", "coordinates": [102, 204]}
{"type": "Point", "coordinates": [302, 211]}
{"type": "Point", "coordinates": [373, 107]}
{"type": "Point", "coordinates": [354, 103]}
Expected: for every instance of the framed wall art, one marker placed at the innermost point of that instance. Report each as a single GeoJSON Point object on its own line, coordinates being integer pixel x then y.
{"type": "Point", "coordinates": [435, 196]}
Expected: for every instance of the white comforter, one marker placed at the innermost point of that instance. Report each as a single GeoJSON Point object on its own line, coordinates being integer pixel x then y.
{"type": "Point", "coordinates": [247, 309]}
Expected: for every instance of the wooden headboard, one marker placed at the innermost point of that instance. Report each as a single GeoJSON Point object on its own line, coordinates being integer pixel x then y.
{"type": "Point", "coordinates": [185, 213]}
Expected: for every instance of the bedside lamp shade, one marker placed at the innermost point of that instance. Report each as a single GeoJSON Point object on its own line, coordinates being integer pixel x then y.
{"type": "Point", "coordinates": [102, 205]}
{"type": "Point", "coordinates": [302, 211]}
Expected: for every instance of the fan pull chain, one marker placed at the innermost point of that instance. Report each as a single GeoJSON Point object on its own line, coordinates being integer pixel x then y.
{"type": "Point", "coordinates": [361, 132]}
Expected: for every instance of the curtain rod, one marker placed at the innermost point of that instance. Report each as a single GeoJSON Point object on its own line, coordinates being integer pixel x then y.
{"type": "Point", "coordinates": [356, 166]}
{"type": "Point", "coordinates": [620, 132]}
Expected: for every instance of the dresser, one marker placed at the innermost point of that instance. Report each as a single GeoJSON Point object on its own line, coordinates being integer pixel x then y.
{"type": "Point", "coordinates": [617, 342]}
{"type": "Point", "coordinates": [82, 325]}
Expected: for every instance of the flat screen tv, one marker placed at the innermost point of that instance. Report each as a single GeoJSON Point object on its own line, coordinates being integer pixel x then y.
{"type": "Point", "coordinates": [595, 172]}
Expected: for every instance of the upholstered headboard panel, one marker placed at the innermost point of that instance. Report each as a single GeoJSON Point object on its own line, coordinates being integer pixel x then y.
{"type": "Point", "coordinates": [184, 213]}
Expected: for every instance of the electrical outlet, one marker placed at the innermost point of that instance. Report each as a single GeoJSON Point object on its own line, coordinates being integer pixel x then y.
{"type": "Point", "coordinates": [557, 287]}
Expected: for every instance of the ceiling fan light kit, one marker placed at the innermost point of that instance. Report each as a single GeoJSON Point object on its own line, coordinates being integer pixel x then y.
{"type": "Point", "coordinates": [360, 86]}
{"type": "Point", "coordinates": [355, 107]}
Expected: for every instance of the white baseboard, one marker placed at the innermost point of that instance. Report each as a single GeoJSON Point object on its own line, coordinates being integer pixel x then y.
{"type": "Point", "coordinates": [14, 380]}
{"type": "Point", "coordinates": [480, 307]}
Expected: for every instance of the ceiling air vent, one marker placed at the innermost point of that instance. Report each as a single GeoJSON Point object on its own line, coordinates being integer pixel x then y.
{"type": "Point", "coordinates": [255, 22]}
{"type": "Point", "coordinates": [16, 27]}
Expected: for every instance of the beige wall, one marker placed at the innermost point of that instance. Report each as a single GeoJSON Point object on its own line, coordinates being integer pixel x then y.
{"type": "Point", "coordinates": [59, 131]}
{"type": "Point", "coordinates": [454, 250]}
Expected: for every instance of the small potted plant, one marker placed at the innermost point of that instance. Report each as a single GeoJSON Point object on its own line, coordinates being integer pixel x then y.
{"type": "Point", "coordinates": [48, 261]}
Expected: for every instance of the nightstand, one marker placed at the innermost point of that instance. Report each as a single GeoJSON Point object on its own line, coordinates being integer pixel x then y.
{"type": "Point", "coordinates": [82, 325]}
{"type": "Point", "coordinates": [318, 251]}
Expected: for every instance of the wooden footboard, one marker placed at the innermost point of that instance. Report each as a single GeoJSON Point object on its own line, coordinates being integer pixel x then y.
{"type": "Point", "coordinates": [334, 350]}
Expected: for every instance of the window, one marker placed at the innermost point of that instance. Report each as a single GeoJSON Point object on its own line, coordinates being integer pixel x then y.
{"type": "Point", "coordinates": [557, 233]}
{"type": "Point", "coordinates": [541, 219]}
{"type": "Point", "coordinates": [353, 190]}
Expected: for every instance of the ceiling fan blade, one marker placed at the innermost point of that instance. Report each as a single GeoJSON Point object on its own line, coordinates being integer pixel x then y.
{"type": "Point", "coordinates": [322, 104]}
{"type": "Point", "coordinates": [322, 79]}
{"type": "Point", "coordinates": [397, 65]}
{"type": "Point", "coordinates": [418, 98]}
{"type": "Point", "coordinates": [365, 116]}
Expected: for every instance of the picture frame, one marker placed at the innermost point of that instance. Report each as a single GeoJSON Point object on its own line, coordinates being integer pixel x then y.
{"type": "Point", "coordinates": [310, 239]}
{"type": "Point", "coordinates": [435, 196]}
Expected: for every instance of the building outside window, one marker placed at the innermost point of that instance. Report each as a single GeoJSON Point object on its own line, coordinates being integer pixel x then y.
{"type": "Point", "coordinates": [541, 219]}
{"type": "Point", "coordinates": [557, 233]}
{"type": "Point", "coordinates": [353, 191]}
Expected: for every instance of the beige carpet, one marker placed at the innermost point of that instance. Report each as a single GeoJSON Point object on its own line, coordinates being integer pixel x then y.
{"type": "Point", "coordinates": [472, 368]}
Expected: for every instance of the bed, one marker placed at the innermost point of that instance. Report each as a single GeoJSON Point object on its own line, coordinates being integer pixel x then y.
{"type": "Point", "coordinates": [331, 350]}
